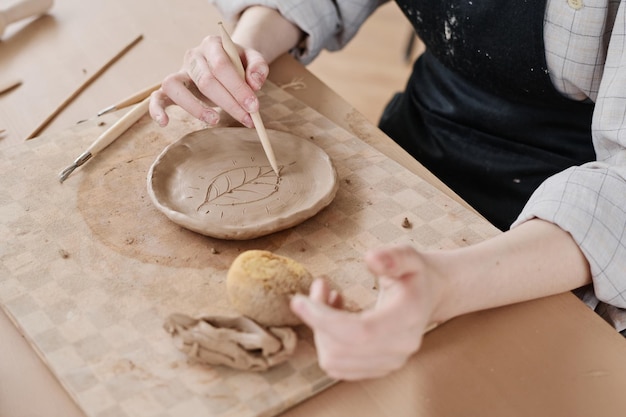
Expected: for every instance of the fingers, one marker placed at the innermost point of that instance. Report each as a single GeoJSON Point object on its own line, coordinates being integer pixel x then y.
{"type": "Point", "coordinates": [217, 78]}
{"type": "Point", "coordinates": [335, 300]}
{"type": "Point", "coordinates": [375, 341]}
{"type": "Point", "coordinates": [317, 314]}
{"type": "Point", "coordinates": [257, 69]}
{"type": "Point", "coordinates": [174, 90]}
{"type": "Point", "coordinates": [352, 346]}
{"type": "Point", "coordinates": [394, 262]}
{"type": "Point", "coordinates": [209, 78]}
{"type": "Point", "coordinates": [403, 300]}
{"type": "Point", "coordinates": [158, 103]}
{"type": "Point", "coordinates": [321, 292]}
{"type": "Point", "coordinates": [348, 328]}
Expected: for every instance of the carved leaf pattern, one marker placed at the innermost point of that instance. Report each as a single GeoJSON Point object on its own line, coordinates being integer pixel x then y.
{"type": "Point", "coordinates": [242, 185]}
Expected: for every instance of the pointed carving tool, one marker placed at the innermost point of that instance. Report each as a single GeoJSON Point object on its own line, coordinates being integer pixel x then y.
{"type": "Point", "coordinates": [9, 85]}
{"type": "Point", "coordinates": [233, 54]}
{"type": "Point", "coordinates": [132, 99]}
{"type": "Point", "coordinates": [106, 138]}
{"type": "Point", "coordinates": [82, 88]}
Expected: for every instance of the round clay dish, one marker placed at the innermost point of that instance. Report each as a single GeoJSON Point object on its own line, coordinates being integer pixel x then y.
{"type": "Point", "coordinates": [218, 182]}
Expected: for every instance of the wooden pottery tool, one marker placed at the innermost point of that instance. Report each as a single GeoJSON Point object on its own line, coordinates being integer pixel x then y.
{"type": "Point", "coordinates": [21, 10]}
{"type": "Point", "coordinates": [233, 54]}
{"type": "Point", "coordinates": [106, 138]}
{"type": "Point", "coordinates": [132, 99]}
{"type": "Point", "coordinates": [9, 85]}
{"type": "Point", "coordinates": [82, 88]}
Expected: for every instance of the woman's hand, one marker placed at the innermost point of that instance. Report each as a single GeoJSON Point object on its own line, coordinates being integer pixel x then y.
{"type": "Point", "coordinates": [419, 289]}
{"type": "Point", "coordinates": [208, 79]}
{"type": "Point", "coordinates": [373, 342]}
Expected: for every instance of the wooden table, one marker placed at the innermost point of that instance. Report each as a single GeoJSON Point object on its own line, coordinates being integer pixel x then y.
{"type": "Point", "coordinates": [549, 357]}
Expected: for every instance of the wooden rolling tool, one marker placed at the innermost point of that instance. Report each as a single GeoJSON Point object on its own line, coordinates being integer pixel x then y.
{"type": "Point", "coordinates": [21, 10]}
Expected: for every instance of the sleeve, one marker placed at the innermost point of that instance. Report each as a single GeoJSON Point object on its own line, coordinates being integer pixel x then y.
{"type": "Point", "coordinates": [329, 24]}
{"type": "Point", "coordinates": [589, 201]}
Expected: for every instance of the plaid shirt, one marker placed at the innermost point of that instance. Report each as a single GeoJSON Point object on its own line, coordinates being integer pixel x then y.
{"type": "Point", "coordinates": [586, 57]}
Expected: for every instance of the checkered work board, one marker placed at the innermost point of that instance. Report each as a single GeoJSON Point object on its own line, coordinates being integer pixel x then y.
{"type": "Point", "coordinates": [89, 269]}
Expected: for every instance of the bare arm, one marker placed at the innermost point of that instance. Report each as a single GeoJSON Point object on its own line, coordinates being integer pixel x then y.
{"type": "Point", "coordinates": [266, 31]}
{"type": "Point", "coordinates": [418, 289]}
{"type": "Point", "coordinates": [534, 260]}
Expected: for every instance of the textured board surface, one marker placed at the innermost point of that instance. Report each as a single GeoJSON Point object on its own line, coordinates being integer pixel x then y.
{"type": "Point", "coordinates": [90, 269]}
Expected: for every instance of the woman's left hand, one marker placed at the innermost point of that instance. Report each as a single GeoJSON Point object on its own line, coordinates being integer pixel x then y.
{"type": "Point", "coordinates": [374, 342]}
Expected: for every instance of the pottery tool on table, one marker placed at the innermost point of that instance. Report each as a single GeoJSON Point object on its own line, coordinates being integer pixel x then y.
{"type": "Point", "coordinates": [233, 54]}
{"type": "Point", "coordinates": [21, 10]}
{"type": "Point", "coordinates": [82, 87]}
{"type": "Point", "coordinates": [106, 138]}
{"type": "Point", "coordinates": [9, 85]}
{"type": "Point", "coordinates": [132, 99]}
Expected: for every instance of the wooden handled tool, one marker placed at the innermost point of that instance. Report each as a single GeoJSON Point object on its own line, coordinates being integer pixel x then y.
{"type": "Point", "coordinates": [233, 54]}
{"type": "Point", "coordinates": [82, 88]}
{"type": "Point", "coordinates": [21, 10]}
{"type": "Point", "coordinates": [9, 85]}
{"type": "Point", "coordinates": [106, 138]}
{"type": "Point", "coordinates": [132, 99]}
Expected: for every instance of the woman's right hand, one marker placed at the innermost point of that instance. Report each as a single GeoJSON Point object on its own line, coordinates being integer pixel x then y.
{"type": "Point", "coordinates": [208, 79]}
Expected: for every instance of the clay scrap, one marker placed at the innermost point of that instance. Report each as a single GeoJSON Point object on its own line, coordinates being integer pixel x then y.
{"type": "Point", "coordinates": [237, 342]}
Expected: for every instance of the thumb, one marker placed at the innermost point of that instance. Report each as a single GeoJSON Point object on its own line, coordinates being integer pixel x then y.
{"type": "Point", "coordinates": [317, 315]}
{"type": "Point", "coordinates": [257, 69]}
{"type": "Point", "coordinates": [399, 269]}
{"type": "Point", "coordinates": [395, 262]}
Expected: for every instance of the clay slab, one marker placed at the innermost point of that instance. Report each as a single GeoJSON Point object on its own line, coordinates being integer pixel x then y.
{"type": "Point", "coordinates": [218, 182]}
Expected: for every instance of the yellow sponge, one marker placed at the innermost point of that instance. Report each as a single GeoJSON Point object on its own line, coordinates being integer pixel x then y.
{"type": "Point", "coordinates": [260, 284]}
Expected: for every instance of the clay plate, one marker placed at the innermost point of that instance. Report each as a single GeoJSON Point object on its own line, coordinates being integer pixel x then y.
{"type": "Point", "coordinates": [218, 182]}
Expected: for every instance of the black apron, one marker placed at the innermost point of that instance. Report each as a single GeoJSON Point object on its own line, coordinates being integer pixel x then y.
{"type": "Point", "coordinates": [479, 109]}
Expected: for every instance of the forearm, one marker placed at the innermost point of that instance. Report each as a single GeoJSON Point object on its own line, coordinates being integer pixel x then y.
{"type": "Point", "coordinates": [267, 31]}
{"type": "Point", "coordinates": [533, 260]}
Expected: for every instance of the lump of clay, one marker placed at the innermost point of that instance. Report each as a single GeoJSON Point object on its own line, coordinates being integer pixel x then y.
{"type": "Point", "coordinates": [237, 342]}
{"type": "Point", "coordinates": [260, 285]}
